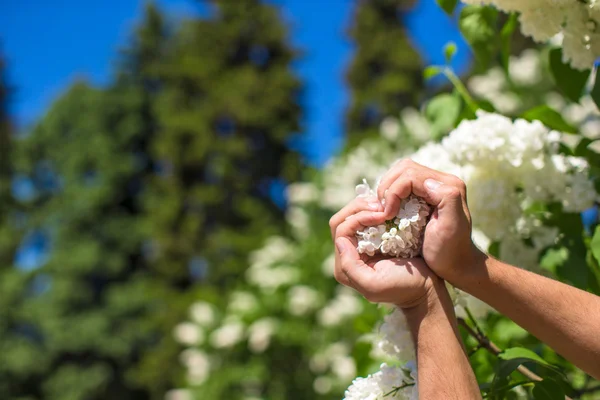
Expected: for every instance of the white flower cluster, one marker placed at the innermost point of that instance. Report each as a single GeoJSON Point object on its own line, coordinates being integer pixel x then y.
{"type": "Point", "coordinates": [394, 338]}
{"type": "Point", "coordinates": [341, 176]}
{"type": "Point", "coordinates": [577, 21]}
{"type": "Point", "coordinates": [507, 166]}
{"type": "Point", "coordinates": [401, 237]}
{"type": "Point", "coordinates": [273, 265]}
{"type": "Point", "coordinates": [389, 382]}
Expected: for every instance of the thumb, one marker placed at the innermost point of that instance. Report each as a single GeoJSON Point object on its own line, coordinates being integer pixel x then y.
{"type": "Point", "coordinates": [351, 264]}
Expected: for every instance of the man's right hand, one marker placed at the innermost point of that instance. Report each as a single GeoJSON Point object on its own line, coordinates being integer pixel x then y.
{"type": "Point", "coordinates": [447, 246]}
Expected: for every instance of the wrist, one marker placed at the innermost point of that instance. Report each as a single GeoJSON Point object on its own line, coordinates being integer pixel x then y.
{"type": "Point", "coordinates": [431, 303]}
{"type": "Point", "coordinates": [472, 269]}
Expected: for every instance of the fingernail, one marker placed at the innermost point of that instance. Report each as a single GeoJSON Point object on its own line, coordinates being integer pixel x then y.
{"type": "Point", "coordinates": [339, 244]}
{"type": "Point", "coordinates": [432, 184]}
{"type": "Point", "coordinates": [374, 206]}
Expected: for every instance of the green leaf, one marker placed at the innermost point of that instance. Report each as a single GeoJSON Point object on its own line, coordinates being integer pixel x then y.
{"type": "Point", "coordinates": [478, 26]}
{"type": "Point", "coordinates": [550, 118]}
{"type": "Point", "coordinates": [595, 244]}
{"type": "Point", "coordinates": [521, 353]}
{"type": "Point", "coordinates": [506, 38]}
{"type": "Point", "coordinates": [574, 269]}
{"type": "Point", "coordinates": [486, 106]}
{"type": "Point", "coordinates": [447, 5]}
{"type": "Point", "coordinates": [449, 51]}
{"type": "Point", "coordinates": [553, 258]}
{"type": "Point", "coordinates": [548, 389]}
{"type": "Point", "coordinates": [595, 93]}
{"type": "Point", "coordinates": [442, 112]}
{"type": "Point", "coordinates": [431, 71]}
{"type": "Point", "coordinates": [494, 249]}
{"type": "Point", "coordinates": [570, 82]}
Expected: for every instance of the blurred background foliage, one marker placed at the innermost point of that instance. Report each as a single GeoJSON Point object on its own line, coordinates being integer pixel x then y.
{"type": "Point", "coordinates": [152, 194]}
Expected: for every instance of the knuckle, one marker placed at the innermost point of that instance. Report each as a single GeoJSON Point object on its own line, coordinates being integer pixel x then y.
{"type": "Point", "coordinates": [332, 222]}
{"type": "Point", "coordinates": [410, 172]}
{"type": "Point", "coordinates": [406, 162]}
{"type": "Point", "coordinates": [339, 275]}
{"type": "Point", "coordinates": [460, 184]}
{"type": "Point", "coordinates": [454, 193]}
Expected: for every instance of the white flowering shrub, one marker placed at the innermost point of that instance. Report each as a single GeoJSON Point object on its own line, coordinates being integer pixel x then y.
{"type": "Point", "coordinates": [523, 144]}
{"type": "Point", "coordinates": [577, 23]}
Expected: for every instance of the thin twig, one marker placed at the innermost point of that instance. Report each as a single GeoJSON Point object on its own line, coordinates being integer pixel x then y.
{"type": "Point", "coordinates": [495, 350]}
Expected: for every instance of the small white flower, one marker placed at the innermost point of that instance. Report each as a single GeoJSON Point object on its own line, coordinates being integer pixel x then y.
{"type": "Point", "coordinates": [227, 335]}
{"type": "Point", "coordinates": [188, 333]}
{"type": "Point", "coordinates": [203, 313]}
{"type": "Point", "coordinates": [399, 240]}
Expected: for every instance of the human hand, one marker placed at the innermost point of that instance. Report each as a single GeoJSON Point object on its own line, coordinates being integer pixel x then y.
{"type": "Point", "coordinates": [403, 282]}
{"type": "Point", "coordinates": [447, 246]}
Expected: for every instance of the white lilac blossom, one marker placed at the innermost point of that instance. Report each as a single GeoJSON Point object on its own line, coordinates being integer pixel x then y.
{"type": "Point", "coordinates": [260, 333]}
{"type": "Point", "coordinates": [203, 313]}
{"type": "Point", "coordinates": [188, 333]}
{"type": "Point", "coordinates": [401, 237]}
{"type": "Point", "coordinates": [227, 335]}
{"type": "Point", "coordinates": [273, 265]}
{"type": "Point", "coordinates": [507, 165]}
{"type": "Point", "coordinates": [341, 176]}
{"type": "Point", "coordinates": [179, 394]}
{"type": "Point", "coordinates": [302, 299]}
{"type": "Point", "coordinates": [197, 364]}
{"type": "Point", "coordinates": [344, 305]}
{"type": "Point", "coordinates": [394, 337]}
{"type": "Point", "coordinates": [576, 21]}
{"type": "Point", "coordinates": [242, 302]}
{"type": "Point", "coordinates": [389, 382]}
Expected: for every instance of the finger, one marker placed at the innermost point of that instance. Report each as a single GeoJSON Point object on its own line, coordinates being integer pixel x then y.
{"type": "Point", "coordinates": [347, 230]}
{"type": "Point", "coordinates": [412, 180]}
{"type": "Point", "coordinates": [358, 222]}
{"type": "Point", "coordinates": [355, 206]}
{"type": "Point", "coordinates": [358, 274]}
{"type": "Point", "coordinates": [449, 199]}
{"type": "Point", "coordinates": [391, 175]}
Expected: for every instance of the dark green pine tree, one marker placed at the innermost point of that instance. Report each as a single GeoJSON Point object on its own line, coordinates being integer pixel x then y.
{"type": "Point", "coordinates": [386, 72]}
{"type": "Point", "coordinates": [229, 109]}
{"type": "Point", "coordinates": [18, 346]}
{"type": "Point", "coordinates": [137, 188]}
{"type": "Point", "coordinates": [7, 244]}
{"type": "Point", "coordinates": [99, 308]}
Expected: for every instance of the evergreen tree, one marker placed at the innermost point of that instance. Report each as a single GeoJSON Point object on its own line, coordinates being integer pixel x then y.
{"type": "Point", "coordinates": [226, 116]}
{"type": "Point", "coordinates": [386, 73]}
{"type": "Point", "coordinates": [136, 188]}
{"type": "Point", "coordinates": [101, 307]}
{"type": "Point", "coordinates": [6, 249]}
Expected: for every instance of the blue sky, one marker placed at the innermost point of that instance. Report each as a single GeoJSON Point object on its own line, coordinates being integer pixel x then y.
{"type": "Point", "coordinates": [50, 44]}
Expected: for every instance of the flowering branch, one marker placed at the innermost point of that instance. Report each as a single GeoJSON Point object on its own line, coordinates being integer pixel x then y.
{"type": "Point", "coordinates": [486, 343]}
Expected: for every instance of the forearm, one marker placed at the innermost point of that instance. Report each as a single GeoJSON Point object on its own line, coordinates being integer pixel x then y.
{"type": "Point", "coordinates": [444, 371]}
{"type": "Point", "coordinates": [564, 317]}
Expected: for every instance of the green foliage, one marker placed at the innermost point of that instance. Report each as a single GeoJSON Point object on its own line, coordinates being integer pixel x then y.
{"type": "Point", "coordinates": [135, 183]}
{"type": "Point", "coordinates": [479, 27]}
{"type": "Point", "coordinates": [447, 5]}
{"type": "Point", "coordinates": [449, 51]}
{"type": "Point", "coordinates": [570, 81]}
{"type": "Point", "coordinates": [443, 112]}
{"type": "Point", "coordinates": [549, 117]}
{"type": "Point", "coordinates": [596, 90]}
{"type": "Point", "coordinates": [548, 389]}
{"type": "Point", "coordinates": [385, 74]}
{"type": "Point", "coordinates": [506, 38]}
